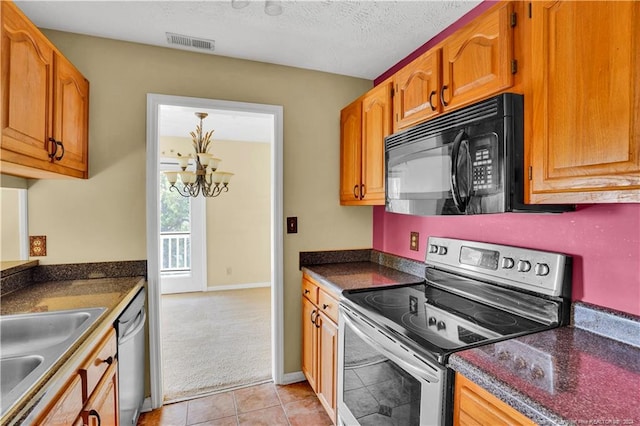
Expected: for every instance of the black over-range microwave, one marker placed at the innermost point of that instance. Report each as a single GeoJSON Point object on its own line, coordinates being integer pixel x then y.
{"type": "Point", "coordinates": [469, 161]}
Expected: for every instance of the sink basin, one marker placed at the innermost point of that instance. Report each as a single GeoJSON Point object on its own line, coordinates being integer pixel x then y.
{"type": "Point", "coordinates": [31, 344]}
{"type": "Point", "coordinates": [16, 369]}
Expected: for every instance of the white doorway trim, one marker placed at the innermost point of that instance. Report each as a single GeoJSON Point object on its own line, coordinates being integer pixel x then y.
{"type": "Point", "coordinates": [153, 268]}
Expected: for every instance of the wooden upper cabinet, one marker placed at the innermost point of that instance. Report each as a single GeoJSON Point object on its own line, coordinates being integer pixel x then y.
{"type": "Point", "coordinates": [27, 83]}
{"type": "Point", "coordinates": [45, 104]}
{"type": "Point", "coordinates": [585, 129]}
{"type": "Point", "coordinates": [363, 126]}
{"type": "Point", "coordinates": [477, 59]}
{"type": "Point", "coordinates": [376, 125]}
{"type": "Point", "coordinates": [71, 115]}
{"type": "Point", "coordinates": [417, 90]}
{"type": "Point", "coordinates": [350, 152]}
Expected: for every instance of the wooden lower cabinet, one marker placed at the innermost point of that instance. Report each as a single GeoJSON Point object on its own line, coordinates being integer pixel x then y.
{"type": "Point", "coordinates": [474, 406]}
{"type": "Point", "coordinates": [320, 343]}
{"type": "Point", "coordinates": [91, 395]}
{"type": "Point", "coordinates": [102, 407]}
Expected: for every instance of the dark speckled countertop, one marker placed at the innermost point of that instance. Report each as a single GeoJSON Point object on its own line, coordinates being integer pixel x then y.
{"type": "Point", "coordinates": [356, 275]}
{"type": "Point", "coordinates": [589, 379]}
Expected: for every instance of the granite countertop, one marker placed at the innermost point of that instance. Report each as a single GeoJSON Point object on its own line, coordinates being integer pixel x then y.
{"type": "Point", "coordinates": [358, 275]}
{"type": "Point", "coordinates": [112, 293]}
{"type": "Point", "coordinates": [591, 379]}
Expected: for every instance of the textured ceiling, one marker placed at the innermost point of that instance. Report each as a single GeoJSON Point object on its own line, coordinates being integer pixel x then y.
{"type": "Point", "coordinates": [355, 38]}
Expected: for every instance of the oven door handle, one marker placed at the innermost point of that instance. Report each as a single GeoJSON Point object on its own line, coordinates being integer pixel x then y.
{"type": "Point", "coordinates": [416, 371]}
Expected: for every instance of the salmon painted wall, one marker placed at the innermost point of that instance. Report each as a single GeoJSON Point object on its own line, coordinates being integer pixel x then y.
{"type": "Point", "coordinates": [604, 241]}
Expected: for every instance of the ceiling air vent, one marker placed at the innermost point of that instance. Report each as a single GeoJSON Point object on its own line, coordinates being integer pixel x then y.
{"type": "Point", "coordinates": [188, 41]}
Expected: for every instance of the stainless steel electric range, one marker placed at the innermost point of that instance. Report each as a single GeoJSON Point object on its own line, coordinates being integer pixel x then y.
{"type": "Point", "coordinates": [394, 341]}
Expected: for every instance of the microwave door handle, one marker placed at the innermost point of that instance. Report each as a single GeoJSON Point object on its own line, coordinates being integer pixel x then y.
{"type": "Point", "coordinates": [455, 188]}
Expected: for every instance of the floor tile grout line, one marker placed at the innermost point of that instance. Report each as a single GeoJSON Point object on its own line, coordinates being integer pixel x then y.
{"type": "Point", "coordinates": [286, 416]}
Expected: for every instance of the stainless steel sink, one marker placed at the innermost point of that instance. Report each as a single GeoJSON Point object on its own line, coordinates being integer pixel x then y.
{"type": "Point", "coordinates": [30, 344]}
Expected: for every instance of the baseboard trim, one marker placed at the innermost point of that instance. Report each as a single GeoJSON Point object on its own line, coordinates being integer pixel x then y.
{"type": "Point", "coordinates": [294, 377]}
{"type": "Point", "coordinates": [238, 286]}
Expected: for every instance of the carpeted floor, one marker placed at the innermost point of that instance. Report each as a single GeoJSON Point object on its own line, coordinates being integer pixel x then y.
{"type": "Point", "coordinates": [215, 340]}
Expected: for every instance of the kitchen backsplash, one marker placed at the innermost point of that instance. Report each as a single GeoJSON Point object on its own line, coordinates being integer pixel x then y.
{"type": "Point", "coordinates": [603, 239]}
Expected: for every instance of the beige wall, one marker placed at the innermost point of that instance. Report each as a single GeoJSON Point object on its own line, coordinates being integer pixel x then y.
{"type": "Point", "coordinates": [10, 224]}
{"type": "Point", "coordinates": [239, 221]}
{"type": "Point", "coordinates": [103, 218]}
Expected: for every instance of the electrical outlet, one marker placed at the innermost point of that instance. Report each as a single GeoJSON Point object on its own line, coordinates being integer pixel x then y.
{"type": "Point", "coordinates": [414, 241]}
{"type": "Point", "coordinates": [292, 225]}
{"type": "Point", "coordinates": [38, 245]}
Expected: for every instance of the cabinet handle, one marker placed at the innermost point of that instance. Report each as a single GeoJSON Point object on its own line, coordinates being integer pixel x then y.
{"type": "Point", "coordinates": [60, 144]}
{"type": "Point", "coordinates": [55, 148]}
{"type": "Point", "coordinates": [95, 413]}
{"type": "Point", "coordinates": [316, 321]}
{"type": "Point", "coordinates": [313, 320]}
{"type": "Point", "coordinates": [444, 103]}
{"type": "Point", "coordinates": [362, 192]}
{"type": "Point", "coordinates": [108, 361]}
{"type": "Point", "coordinates": [433, 107]}
{"type": "Point", "coordinates": [355, 194]}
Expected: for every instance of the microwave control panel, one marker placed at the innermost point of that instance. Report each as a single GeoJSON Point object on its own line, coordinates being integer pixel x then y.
{"type": "Point", "coordinates": [483, 169]}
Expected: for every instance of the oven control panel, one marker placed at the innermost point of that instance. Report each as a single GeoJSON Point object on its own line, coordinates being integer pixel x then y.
{"type": "Point", "coordinates": [528, 269]}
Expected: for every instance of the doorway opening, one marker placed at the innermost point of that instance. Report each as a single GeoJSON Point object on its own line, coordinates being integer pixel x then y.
{"type": "Point", "coordinates": [200, 267]}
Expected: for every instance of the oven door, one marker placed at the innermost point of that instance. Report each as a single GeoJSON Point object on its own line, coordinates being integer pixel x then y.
{"type": "Point", "coordinates": [380, 381]}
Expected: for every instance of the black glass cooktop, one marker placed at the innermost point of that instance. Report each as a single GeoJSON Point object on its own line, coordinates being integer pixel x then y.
{"type": "Point", "coordinates": [435, 319]}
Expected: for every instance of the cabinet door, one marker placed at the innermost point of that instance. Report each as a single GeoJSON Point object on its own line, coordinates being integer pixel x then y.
{"type": "Point", "coordinates": [309, 343]}
{"type": "Point", "coordinates": [477, 59]}
{"type": "Point", "coordinates": [102, 407]}
{"type": "Point", "coordinates": [586, 102]}
{"type": "Point", "coordinates": [328, 365]}
{"type": "Point", "coordinates": [376, 125]}
{"type": "Point", "coordinates": [67, 405]}
{"type": "Point", "coordinates": [417, 90]}
{"type": "Point", "coordinates": [26, 102]}
{"type": "Point", "coordinates": [474, 406]}
{"type": "Point", "coordinates": [350, 152]}
{"type": "Point", "coordinates": [71, 116]}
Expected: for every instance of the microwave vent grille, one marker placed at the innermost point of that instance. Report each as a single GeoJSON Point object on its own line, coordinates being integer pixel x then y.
{"type": "Point", "coordinates": [482, 111]}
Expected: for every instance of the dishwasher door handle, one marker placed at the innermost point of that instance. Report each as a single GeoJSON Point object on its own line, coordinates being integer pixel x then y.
{"type": "Point", "coordinates": [136, 328]}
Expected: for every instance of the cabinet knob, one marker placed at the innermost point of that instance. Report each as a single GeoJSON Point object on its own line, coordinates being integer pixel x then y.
{"type": "Point", "coordinates": [306, 291]}
{"type": "Point", "coordinates": [325, 306]}
{"type": "Point", "coordinates": [108, 361]}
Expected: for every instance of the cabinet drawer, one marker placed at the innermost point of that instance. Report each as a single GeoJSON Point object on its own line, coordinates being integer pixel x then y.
{"type": "Point", "coordinates": [328, 305]}
{"type": "Point", "coordinates": [310, 291]}
{"type": "Point", "coordinates": [98, 363]}
{"type": "Point", "coordinates": [67, 405]}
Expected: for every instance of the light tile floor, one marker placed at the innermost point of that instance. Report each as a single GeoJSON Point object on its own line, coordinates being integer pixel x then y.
{"type": "Point", "coordinates": [266, 404]}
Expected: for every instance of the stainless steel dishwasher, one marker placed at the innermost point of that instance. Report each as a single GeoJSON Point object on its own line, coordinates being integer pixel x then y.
{"type": "Point", "coordinates": [131, 359]}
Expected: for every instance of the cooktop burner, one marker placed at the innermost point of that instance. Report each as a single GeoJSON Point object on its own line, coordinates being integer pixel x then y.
{"type": "Point", "coordinates": [495, 318]}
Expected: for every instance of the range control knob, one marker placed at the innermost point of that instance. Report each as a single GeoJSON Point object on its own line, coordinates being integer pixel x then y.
{"type": "Point", "coordinates": [507, 263]}
{"type": "Point", "coordinates": [432, 321]}
{"type": "Point", "coordinates": [520, 363]}
{"type": "Point", "coordinates": [541, 269]}
{"type": "Point", "coordinates": [433, 248]}
{"type": "Point", "coordinates": [537, 372]}
{"type": "Point", "coordinates": [524, 266]}
{"type": "Point", "coordinates": [442, 250]}
{"type": "Point", "coordinates": [441, 325]}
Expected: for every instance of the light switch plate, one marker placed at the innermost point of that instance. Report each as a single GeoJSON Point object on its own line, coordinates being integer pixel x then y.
{"type": "Point", "coordinates": [292, 225]}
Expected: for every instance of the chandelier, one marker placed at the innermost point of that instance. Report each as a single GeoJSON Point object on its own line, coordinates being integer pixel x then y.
{"type": "Point", "coordinates": [205, 178]}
